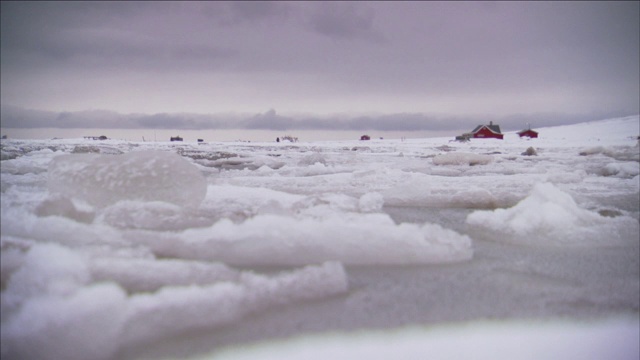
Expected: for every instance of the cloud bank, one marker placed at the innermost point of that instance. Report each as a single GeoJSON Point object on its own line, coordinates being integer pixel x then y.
{"type": "Point", "coordinates": [15, 117]}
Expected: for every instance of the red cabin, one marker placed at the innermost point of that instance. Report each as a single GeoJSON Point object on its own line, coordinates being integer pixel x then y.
{"type": "Point", "coordinates": [528, 133]}
{"type": "Point", "coordinates": [487, 132]}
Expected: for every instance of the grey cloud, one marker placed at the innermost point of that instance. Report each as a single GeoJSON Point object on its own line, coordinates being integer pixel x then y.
{"type": "Point", "coordinates": [344, 20]}
{"type": "Point", "coordinates": [393, 57]}
{"type": "Point", "coordinates": [257, 10]}
{"type": "Point", "coordinates": [35, 36]}
{"type": "Point", "coordinates": [15, 117]}
{"type": "Point", "coordinates": [269, 120]}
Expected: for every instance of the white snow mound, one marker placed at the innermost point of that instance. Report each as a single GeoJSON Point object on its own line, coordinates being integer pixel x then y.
{"type": "Point", "coordinates": [549, 216]}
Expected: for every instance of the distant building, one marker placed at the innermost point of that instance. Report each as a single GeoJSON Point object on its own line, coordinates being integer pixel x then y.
{"type": "Point", "coordinates": [176, 138]}
{"type": "Point", "coordinates": [365, 137]}
{"type": "Point", "coordinates": [528, 133]}
{"type": "Point", "coordinates": [487, 132]}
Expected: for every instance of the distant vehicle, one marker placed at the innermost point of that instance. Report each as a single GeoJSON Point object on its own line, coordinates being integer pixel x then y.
{"type": "Point", "coordinates": [365, 137]}
{"type": "Point", "coordinates": [101, 137]}
{"type": "Point", "coordinates": [176, 138]}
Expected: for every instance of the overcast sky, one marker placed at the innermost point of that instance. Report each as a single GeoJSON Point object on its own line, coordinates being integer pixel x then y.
{"type": "Point", "coordinates": [400, 65]}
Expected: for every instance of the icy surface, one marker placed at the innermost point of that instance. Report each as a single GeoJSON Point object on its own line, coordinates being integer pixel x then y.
{"type": "Point", "coordinates": [123, 250]}
{"type": "Point", "coordinates": [615, 339]}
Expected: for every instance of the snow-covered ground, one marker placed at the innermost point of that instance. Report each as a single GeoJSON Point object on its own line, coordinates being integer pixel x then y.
{"type": "Point", "coordinates": [344, 249]}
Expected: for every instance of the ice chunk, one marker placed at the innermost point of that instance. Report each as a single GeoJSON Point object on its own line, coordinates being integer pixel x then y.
{"type": "Point", "coordinates": [475, 197]}
{"type": "Point", "coordinates": [419, 192]}
{"type": "Point", "coordinates": [621, 169]}
{"type": "Point", "coordinates": [84, 149]}
{"type": "Point", "coordinates": [412, 192]}
{"type": "Point", "coordinates": [231, 201]}
{"type": "Point", "coordinates": [462, 159]}
{"type": "Point", "coordinates": [5, 155]}
{"type": "Point", "coordinates": [62, 206]}
{"type": "Point", "coordinates": [49, 312]}
{"type": "Point", "coordinates": [61, 230]}
{"type": "Point", "coordinates": [371, 202]}
{"type": "Point", "coordinates": [549, 216]}
{"type": "Point", "coordinates": [53, 312]}
{"type": "Point", "coordinates": [102, 180]}
{"type": "Point", "coordinates": [47, 269]}
{"type": "Point", "coordinates": [155, 215]}
{"type": "Point", "coordinates": [84, 325]}
{"type": "Point", "coordinates": [21, 167]}
{"type": "Point", "coordinates": [596, 150]}
{"type": "Point", "coordinates": [140, 275]}
{"type": "Point", "coordinates": [312, 159]}
{"type": "Point", "coordinates": [173, 310]}
{"type": "Point", "coordinates": [11, 259]}
{"type": "Point", "coordinates": [350, 238]}
{"type": "Point", "coordinates": [560, 177]}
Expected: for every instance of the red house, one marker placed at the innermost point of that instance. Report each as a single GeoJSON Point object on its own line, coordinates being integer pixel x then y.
{"type": "Point", "coordinates": [487, 131]}
{"type": "Point", "coordinates": [528, 133]}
